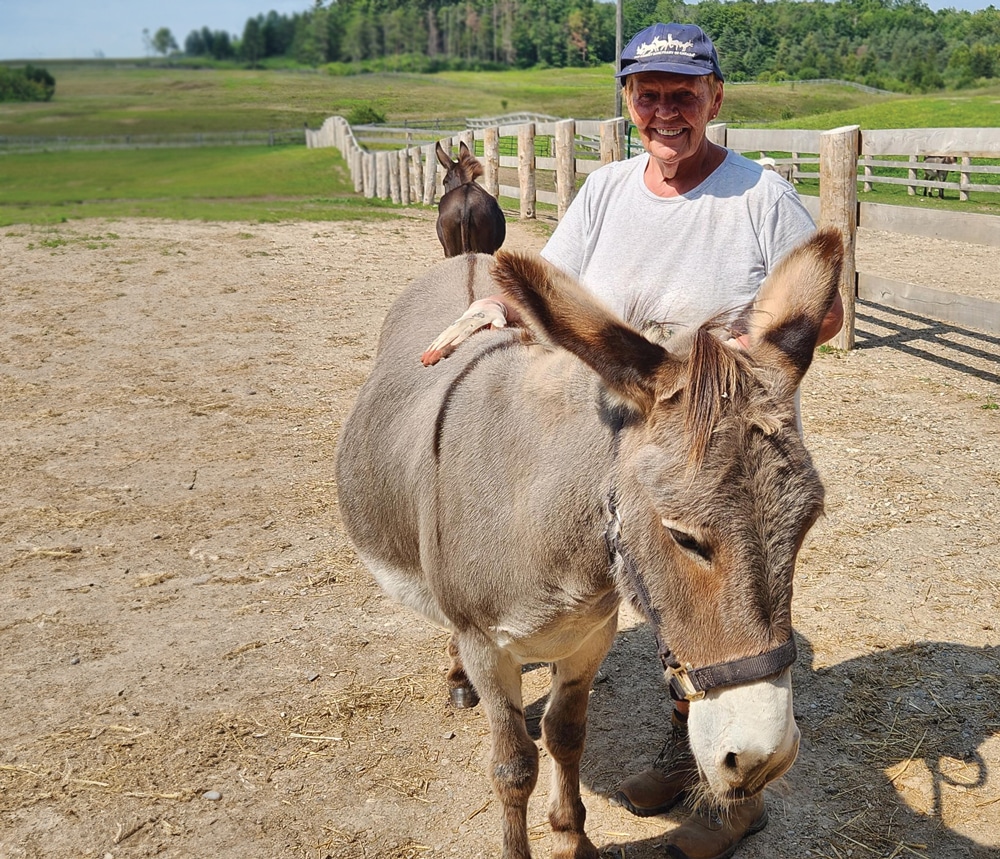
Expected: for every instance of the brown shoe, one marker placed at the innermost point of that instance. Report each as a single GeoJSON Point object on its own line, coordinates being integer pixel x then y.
{"type": "Point", "coordinates": [712, 834]}
{"type": "Point", "coordinates": [659, 788]}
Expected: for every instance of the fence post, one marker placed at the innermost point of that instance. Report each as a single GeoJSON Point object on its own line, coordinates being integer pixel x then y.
{"type": "Point", "coordinates": [404, 176]}
{"type": "Point", "coordinates": [838, 207]}
{"type": "Point", "coordinates": [430, 173]}
{"type": "Point", "coordinates": [963, 179]}
{"type": "Point", "coordinates": [468, 137]}
{"type": "Point", "coordinates": [358, 169]}
{"type": "Point", "coordinates": [382, 175]}
{"type": "Point", "coordinates": [911, 174]}
{"type": "Point", "coordinates": [395, 189]}
{"type": "Point", "coordinates": [565, 165]}
{"type": "Point", "coordinates": [526, 168]}
{"type": "Point", "coordinates": [416, 174]}
{"type": "Point", "coordinates": [368, 174]}
{"type": "Point", "coordinates": [868, 173]}
{"type": "Point", "coordinates": [491, 159]}
{"type": "Point", "coordinates": [611, 140]}
{"type": "Point", "coordinates": [716, 133]}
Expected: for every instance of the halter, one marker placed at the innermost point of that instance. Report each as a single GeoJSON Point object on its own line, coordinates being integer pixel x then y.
{"type": "Point", "coordinates": [686, 682]}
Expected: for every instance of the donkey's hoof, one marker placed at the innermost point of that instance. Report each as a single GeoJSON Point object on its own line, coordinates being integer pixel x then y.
{"type": "Point", "coordinates": [463, 697]}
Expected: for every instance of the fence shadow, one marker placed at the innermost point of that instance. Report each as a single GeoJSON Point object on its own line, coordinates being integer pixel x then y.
{"type": "Point", "coordinates": [973, 353]}
{"type": "Point", "coordinates": [892, 750]}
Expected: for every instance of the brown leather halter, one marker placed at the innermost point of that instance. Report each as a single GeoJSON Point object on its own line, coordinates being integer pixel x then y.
{"type": "Point", "coordinates": [686, 682]}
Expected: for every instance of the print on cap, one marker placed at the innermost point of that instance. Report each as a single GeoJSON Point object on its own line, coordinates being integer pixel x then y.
{"type": "Point", "coordinates": [680, 49]}
{"type": "Point", "coordinates": [668, 45]}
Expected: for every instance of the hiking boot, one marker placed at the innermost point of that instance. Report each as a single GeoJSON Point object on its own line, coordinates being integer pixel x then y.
{"type": "Point", "coordinates": [713, 834]}
{"type": "Point", "coordinates": [659, 788]}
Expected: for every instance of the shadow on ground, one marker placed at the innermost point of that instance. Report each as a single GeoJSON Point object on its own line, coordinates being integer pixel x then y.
{"type": "Point", "coordinates": [963, 350]}
{"type": "Point", "coordinates": [901, 730]}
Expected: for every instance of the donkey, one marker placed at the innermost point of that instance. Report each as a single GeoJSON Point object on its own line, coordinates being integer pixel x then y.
{"type": "Point", "coordinates": [785, 171]}
{"type": "Point", "coordinates": [516, 492]}
{"type": "Point", "coordinates": [937, 175]}
{"type": "Point", "coordinates": [469, 218]}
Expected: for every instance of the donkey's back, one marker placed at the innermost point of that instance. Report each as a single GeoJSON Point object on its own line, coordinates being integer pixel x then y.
{"type": "Point", "coordinates": [435, 469]}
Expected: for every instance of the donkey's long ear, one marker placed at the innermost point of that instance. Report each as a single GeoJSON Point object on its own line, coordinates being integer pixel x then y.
{"type": "Point", "coordinates": [443, 157]}
{"type": "Point", "coordinates": [634, 369]}
{"type": "Point", "coordinates": [790, 307]}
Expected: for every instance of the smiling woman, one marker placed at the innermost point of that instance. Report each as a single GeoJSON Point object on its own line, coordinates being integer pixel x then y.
{"type": "Point", "coordinates": [671, 113]}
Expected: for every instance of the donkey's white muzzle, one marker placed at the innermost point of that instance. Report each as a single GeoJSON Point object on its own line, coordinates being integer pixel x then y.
{"type": "Point", "coordinates": [744, 737]}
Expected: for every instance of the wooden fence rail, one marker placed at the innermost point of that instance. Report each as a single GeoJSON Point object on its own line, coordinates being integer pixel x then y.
{"type": "Point", "coordinates": [909, 144]}
{"type": "Point", "coordinates": [902, 151]}
{"type": "Point", "coordinates": [548, 159]}
{"type": "Point", "coordinates": [575, 148]}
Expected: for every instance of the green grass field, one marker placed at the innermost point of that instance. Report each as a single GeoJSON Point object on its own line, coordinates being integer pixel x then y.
{"type": "Point", "coordinates": [98, 98]}
{"type": "Point", "coordinates": [211, 183]}
{"type": "Point", "coordinates": [287, 182]}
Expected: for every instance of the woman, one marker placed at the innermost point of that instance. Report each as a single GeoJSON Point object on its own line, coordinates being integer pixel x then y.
{"type": "Point", "coordinates": [672, 237]}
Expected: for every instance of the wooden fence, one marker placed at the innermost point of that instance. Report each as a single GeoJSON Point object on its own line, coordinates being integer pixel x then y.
{"type": "Point", "coordinates": [889, 156]}
{"type": "Point", "coordinates": [571, 149]}
{"type": "Point", "coordinates": [870, 148]}
{"type": "Point", "coordinates": [575, 148]}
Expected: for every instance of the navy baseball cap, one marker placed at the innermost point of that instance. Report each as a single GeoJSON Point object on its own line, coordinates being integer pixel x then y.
{"type": "Point", "coordinates": [681, 49]}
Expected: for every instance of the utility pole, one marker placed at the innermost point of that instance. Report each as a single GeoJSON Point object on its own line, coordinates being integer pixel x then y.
{"type": "Point", "coordinates": [618, 57]}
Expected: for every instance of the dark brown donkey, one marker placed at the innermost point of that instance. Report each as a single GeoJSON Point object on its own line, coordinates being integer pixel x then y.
{"type": "Point", "coordinates": [518, 491]}
{"type": "Point", "coordinates": [469, 218]}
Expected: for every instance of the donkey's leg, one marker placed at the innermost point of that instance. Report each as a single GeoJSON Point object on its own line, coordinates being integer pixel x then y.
{"type": "Point", "coordinates": [460, 689]}
{"type": "Point", "coordinates": [513, 754]}
{"type": "Point", "coordinates": [564, 730]}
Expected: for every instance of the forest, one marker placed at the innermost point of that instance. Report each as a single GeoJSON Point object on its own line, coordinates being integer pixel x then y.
{"type": "Point", "coordinates": [898, 45]}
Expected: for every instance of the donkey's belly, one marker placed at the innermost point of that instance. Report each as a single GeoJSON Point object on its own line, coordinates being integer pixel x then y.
{"type": "Point", "coordinates": [406, 587]}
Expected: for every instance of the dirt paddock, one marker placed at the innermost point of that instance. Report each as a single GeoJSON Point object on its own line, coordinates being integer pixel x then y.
{"type": "Point", "coordinates": [194, 664]}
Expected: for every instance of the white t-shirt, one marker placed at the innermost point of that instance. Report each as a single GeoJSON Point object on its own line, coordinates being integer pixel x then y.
{"type": "Point", "coordinates": [678, 261]}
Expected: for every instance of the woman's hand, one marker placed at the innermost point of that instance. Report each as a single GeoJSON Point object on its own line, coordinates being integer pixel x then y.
{"type": "Point", "coordinates": [482, 313]}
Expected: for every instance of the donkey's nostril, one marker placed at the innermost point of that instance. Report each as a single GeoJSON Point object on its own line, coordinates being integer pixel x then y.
{"type": "Point", "coordinates": [731, 761]}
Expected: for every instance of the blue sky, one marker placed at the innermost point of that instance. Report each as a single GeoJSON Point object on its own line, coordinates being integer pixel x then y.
{"type": "Point", "coordinates": [74, 29]}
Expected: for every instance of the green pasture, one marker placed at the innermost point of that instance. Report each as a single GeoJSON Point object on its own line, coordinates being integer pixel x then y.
{"type": "Point", "coordinates": [257, 183]}
{"type": "Point", "coordinates": [99, 100]}
{"type": "Point", "coordinates": [978, 109]}
{"type": "Point", "coordinates": [103, 98]}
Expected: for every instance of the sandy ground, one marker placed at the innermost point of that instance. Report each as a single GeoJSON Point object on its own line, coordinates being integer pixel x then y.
{"type": "Point", "coordinates": [194, 664]}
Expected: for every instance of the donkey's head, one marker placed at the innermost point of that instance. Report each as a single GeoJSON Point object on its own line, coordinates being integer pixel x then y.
{"type": "Point", "coordinates": [466, 169]}
{"type": "Point", "coordinates": [713, 494]}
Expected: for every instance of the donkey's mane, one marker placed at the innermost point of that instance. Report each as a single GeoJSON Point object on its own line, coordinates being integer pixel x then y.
{"type": "Point", "coordinates": [470, 166]}
{"type": "Point", "coordinates": [721, 378]}
{"type": "Point", "coordinates": [717, 380]}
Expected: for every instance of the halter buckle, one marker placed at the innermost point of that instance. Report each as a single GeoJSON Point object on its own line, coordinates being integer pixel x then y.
{"type": "Point", "coordinates": [683, 685]}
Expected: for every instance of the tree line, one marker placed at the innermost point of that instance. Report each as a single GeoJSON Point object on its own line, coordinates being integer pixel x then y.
{"type": "Point", "coordinates": [900, 45]}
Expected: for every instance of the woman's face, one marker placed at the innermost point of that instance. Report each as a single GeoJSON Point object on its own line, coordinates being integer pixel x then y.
{"type": "Point", "coordinates": [672, 112]}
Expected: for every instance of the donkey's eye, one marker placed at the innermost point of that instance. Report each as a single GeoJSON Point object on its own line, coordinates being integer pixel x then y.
{"type": "Point", "coordinates": [690, 544]}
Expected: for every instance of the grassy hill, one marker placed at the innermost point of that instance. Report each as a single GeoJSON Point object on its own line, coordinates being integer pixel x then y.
{"type": "Point", "coordinates": [100, 98]}
{"type": "Point", "coordinates": [95, 99]}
